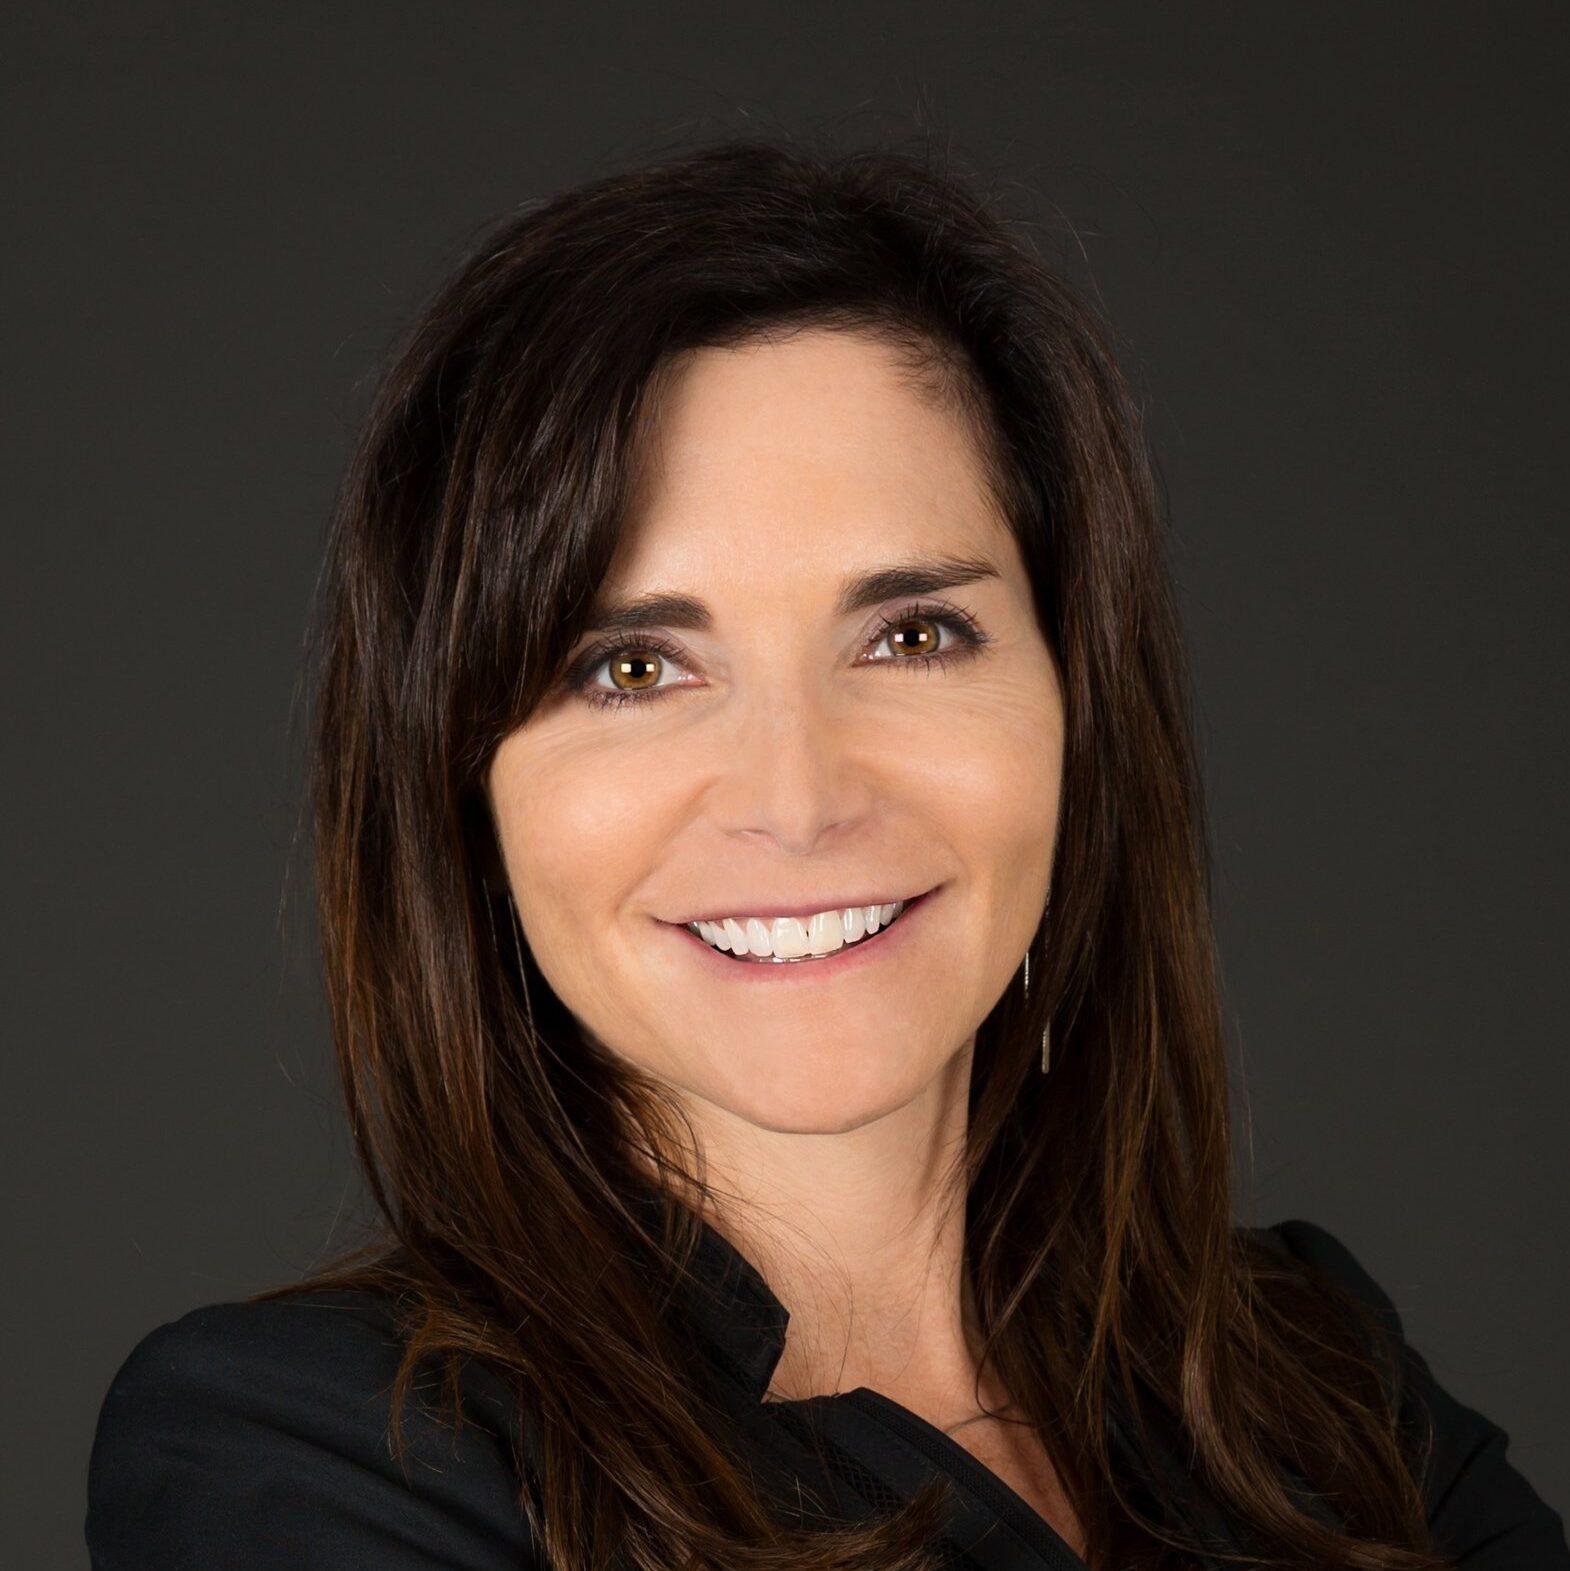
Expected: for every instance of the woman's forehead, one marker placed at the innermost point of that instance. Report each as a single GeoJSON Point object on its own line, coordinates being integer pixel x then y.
{"type": "Point", "coordinates": [823, 408]}
{"type": "Point", "coordinates": [760, 474]}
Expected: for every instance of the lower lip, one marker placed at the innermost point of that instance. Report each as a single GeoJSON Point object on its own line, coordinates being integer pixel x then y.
{"type": "Point", "coordinates": [885, 943]}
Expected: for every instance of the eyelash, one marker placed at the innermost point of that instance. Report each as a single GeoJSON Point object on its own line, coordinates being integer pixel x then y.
{"type": "Point", "coordinates": [969, 632]}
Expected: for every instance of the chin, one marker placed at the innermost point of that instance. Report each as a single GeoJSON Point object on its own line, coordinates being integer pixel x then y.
{"type": "Point", "coordinates": [816, 1104]}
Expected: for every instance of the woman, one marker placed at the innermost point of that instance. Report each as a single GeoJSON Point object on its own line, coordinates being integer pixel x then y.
{"type": "Point", "coordinates": [766, 924]}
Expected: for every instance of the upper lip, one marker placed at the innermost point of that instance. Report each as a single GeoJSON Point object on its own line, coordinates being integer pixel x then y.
{"type": "Point", "coordinates": [767, 912]}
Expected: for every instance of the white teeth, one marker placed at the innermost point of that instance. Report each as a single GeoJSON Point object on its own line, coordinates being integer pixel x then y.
{"type": "Point", "coordinates": [825, 933]}
{"type": "Point", "coordinates": [787, 939]}
{"type": "Point", "coordinates": [790, 938]}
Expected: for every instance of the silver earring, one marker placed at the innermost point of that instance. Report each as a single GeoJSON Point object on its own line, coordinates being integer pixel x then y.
{"type": "Point", "coordinates": [517, 940]}
{"type": "Point", "coordinates": [523, 970]}
{"type": "Point", "coordinates": [490, 916]}
{"type": "Point", "coordinates": [1046, 1035]}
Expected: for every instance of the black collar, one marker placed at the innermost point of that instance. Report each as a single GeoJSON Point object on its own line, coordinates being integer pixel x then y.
{"type": "Point", "coordinates": [742, 1324]}
{"type": "Point", "coordinates": [725, 1298]}
{"type": "Point", "coordinates": [738, 1313]}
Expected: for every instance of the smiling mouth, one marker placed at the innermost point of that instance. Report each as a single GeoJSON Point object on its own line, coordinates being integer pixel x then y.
{"type": "Point", "coordinates": [832, 934]}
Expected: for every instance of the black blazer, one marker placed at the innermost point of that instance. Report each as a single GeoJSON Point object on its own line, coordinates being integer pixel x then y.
{"type": "Point", "coordinates": [253, 1435]}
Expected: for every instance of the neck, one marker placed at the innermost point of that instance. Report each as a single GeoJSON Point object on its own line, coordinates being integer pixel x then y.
{"type": "Point", "coordinates": [861, 1235]}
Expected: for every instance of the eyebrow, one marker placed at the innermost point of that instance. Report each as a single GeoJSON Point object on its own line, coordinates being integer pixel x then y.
{"type": "Point", "coordinates": [923, 575]}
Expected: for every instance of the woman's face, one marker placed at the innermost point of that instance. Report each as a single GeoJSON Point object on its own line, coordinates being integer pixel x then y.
{"type": "Point", "coordinates": [808, 748]}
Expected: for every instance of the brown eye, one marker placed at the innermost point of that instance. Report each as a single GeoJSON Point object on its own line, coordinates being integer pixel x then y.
{"type": "Point", "coordinates": [924, 641]}
{"type": "Point", "coordinates": [916, 638]}
{"type": "Point", "coordinates": [634, 670]}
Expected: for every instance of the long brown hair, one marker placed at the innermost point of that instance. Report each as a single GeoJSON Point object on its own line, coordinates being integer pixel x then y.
{"type": "Point", "coordinates": [473, 525]}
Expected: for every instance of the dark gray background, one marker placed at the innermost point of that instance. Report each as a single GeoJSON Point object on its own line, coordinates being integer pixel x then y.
{"type": "Point", "coordinates": [1333, 240]}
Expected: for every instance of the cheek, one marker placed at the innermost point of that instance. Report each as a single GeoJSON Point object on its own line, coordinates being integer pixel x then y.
{"type": "Point", "coordinates": [995, 779]}
{"type": "Point", "coordinates": [570, 829]}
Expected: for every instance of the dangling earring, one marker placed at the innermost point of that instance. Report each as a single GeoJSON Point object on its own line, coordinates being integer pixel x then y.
{"type": "Point", "coordinates": [490, 915]}
{"type": "Point", "coordinates": [517, 941]}
{"type": "Point", "coordinates": [523, 970]}
{"type": "Point", "coordinates": [1046, 1035]}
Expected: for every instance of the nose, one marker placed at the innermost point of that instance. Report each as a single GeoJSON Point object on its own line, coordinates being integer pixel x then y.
{"type": "Point", "coordinates": [794, 777]}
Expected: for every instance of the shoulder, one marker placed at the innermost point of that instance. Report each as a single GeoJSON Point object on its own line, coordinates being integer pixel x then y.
{"type": "Point", "coordinates": [256, 1434]}
{"type": "Point", "coordinates": [1482, 1511]}
{"type": "Point", "coordinates": [1324, 1253]}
